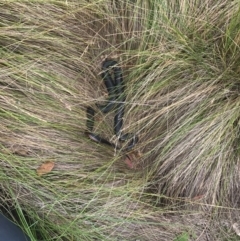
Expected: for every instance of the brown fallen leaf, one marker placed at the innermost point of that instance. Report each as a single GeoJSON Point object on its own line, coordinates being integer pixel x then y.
{"type": "Point", "coordinates": [45, 168]}
{"type": "Point", "coordinates": [129, 162]}
{"type": "Point", "coordinates": [132, 159]}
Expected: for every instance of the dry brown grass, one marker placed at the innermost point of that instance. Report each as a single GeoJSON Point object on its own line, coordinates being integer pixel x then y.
{"type": "Point", "coordinates": [181, 67]}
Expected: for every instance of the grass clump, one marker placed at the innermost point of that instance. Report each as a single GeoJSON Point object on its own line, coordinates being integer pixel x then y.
{"type": "Point", "coordinates": [180, 63]}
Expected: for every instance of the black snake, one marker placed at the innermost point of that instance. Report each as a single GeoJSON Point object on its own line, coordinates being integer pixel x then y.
{"type": "Point", "coordinates": [116, 101]}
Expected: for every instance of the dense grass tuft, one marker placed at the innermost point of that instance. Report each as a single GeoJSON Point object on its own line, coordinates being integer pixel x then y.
{"type": "Point", "coordinates": [180, 62]}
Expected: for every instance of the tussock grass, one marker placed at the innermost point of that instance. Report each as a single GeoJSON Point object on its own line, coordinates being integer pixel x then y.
{"type": "Point", "coordinates": [181, 68]}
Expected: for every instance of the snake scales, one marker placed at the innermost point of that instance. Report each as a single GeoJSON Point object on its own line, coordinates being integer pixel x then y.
{"type": "Point", "coordinates": [113, 80]}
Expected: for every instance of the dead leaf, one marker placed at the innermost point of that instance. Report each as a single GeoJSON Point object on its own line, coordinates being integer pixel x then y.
{"type": "Point", "coordinates": [45, 168]}
{"type": "Point", "coordinates": [129, 162]}
{"type": "Point", "coordinates": [132, 159]}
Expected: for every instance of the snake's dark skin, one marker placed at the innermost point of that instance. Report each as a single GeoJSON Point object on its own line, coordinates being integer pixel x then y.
{"type": "Point", "coordinates": [116, 101]}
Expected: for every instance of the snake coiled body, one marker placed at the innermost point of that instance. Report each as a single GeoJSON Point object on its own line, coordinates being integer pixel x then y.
{"type": "Point", "coordinates": [116, 101]}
